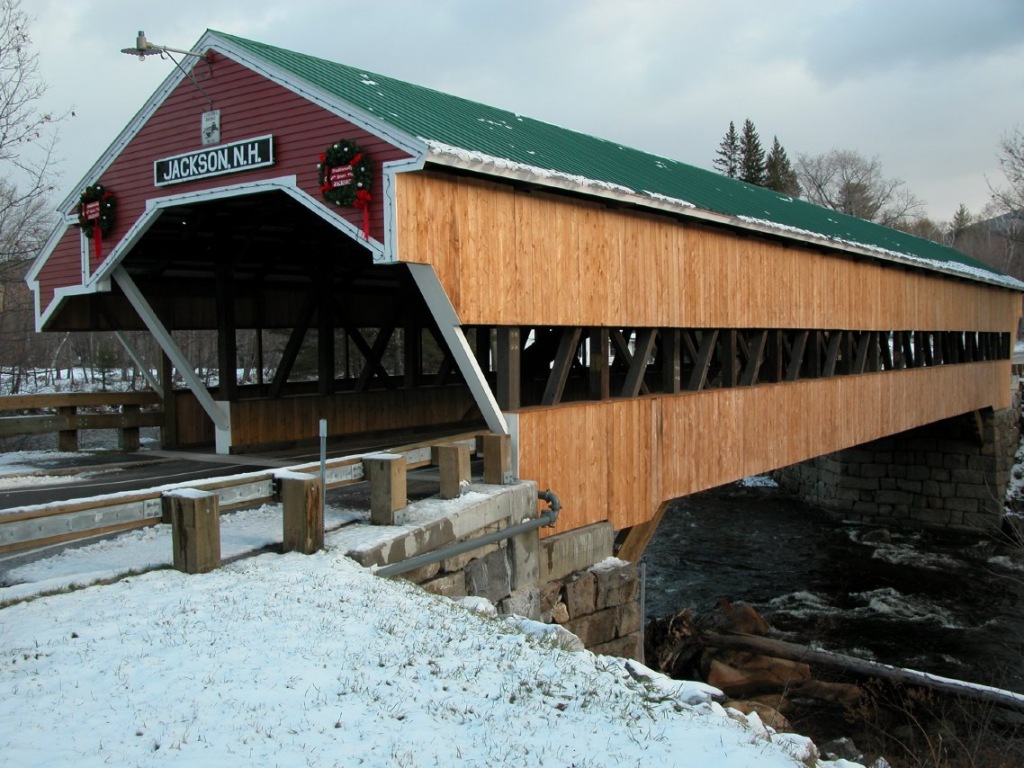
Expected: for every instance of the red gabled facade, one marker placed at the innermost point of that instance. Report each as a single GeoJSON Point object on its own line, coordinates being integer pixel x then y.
{"type": "Point", "coordinates": [251, 105]}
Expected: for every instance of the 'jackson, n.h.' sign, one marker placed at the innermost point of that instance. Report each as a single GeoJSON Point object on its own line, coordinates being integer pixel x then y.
{"type": "Point", "coordinates": [227, 158]}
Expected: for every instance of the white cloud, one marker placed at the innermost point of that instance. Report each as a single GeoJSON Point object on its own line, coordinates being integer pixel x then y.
{"type": "Point", "coordinates": [927, 87]}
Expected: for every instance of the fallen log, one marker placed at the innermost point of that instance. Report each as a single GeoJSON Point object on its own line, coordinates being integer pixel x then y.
{"type": "Point", "coordinates": [792, 651]}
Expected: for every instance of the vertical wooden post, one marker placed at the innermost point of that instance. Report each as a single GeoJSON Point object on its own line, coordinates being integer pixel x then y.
{"type": "Point", "coordinates": [728, 353]}
{"type": "Point", "coordinates": [387, 475]}
{"type": "Point", "coordinates": [195, 529]}
{"type": "Point", "coordinates": [599, 386]}
{"type": "Point", "coordinates": [227, 341]}
{"type": "Point", "coordinates": [302, 499]}
{"type": "Point", "coordinates": [413, 354]}
{"type": "Point", "coordinates": [671, 360]}
{"type": "Point", "coordinates": [453, 461]}
{"type": "Point", "coordinates": [128, 436]}
{"type": "Point", "coordinates": [497, 459]}
{"type": "Point", "coordinates": [325, 333]}
{"type": "Point", "coordinates": [508, 368]}
{"type": "Point", "coordinates": [169, 430]}
{"type": "Point", "coordinates": [67, 439]}
{"type": "Point", "coordinates": [482, 347]}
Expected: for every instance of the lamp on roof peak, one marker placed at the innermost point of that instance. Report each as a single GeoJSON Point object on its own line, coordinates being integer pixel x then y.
{"type": "Point", "coordinates": [144, 48]}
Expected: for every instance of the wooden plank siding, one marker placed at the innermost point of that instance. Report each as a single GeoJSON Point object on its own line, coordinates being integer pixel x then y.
{"type": "Point", "coordinates": [250, 106]}
{"type": "Point", "coordinates": [511, 257]}
{"type": "Point", "coordinates": [516, 257]}
{"type": "Point", "coordinates": [268, 422]}
{"type": "Point", "coordinates": [618, 460]}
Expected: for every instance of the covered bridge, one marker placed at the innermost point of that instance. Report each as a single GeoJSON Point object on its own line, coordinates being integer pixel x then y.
{"type": "Point", "coordinates": [643, 329]}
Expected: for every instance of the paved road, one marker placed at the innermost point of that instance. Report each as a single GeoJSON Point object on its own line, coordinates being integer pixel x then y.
{"type": "Point", "coordinates": [114, 472]}
{"type": "Point", "coordinates": [105, 472]}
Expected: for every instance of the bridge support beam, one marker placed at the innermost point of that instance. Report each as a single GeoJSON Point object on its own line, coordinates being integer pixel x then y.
{"type": "Point", "coordinates": [948, 475]}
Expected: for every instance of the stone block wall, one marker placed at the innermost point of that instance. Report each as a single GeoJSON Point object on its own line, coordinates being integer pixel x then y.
{"type": "Point", "coordinates": [483, 572]}
{"type": "Point", "coordinates": [951, 475]}
{"type": "Point", "coordinates": [598, 603]}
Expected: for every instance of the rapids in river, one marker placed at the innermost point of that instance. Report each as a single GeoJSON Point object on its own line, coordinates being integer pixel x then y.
{"type": "Point", "coordinates": [947, 604]}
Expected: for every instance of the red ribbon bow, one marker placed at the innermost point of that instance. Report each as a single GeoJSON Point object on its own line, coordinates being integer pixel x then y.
{"type": "Point", "coordinates": [362, 202]}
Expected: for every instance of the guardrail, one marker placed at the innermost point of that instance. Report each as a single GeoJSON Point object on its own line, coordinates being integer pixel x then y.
{"type": "Point", "coordinates": [61, 522]}
{"type": "Point", "coordinates": [61, 414]}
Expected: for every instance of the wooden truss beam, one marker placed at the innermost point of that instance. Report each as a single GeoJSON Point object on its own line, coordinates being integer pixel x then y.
{"type": "Point", "coordinates": [568, 344]}
{"type": "Point", "coordinates": [638, 365]}
{"type": "Point", "coordinates": [702, 360]}
{"type": "Point", "coordinates": [796, 355]}
{"type": "Point", "coordinates": [755, 357]}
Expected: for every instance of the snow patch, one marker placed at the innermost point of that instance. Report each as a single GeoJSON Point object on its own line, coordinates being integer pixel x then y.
{"type": "Point", "coordinates": [945, 266]}
{"type": "Point", "coordinates": [758, 481]}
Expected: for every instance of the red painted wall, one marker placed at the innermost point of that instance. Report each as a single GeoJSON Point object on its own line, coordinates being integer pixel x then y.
{"type": "Point", "coordinates": [250, 106]}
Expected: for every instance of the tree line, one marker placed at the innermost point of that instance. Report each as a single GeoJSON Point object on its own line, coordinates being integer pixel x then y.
{"type": "Point", "coordinates": [845, 180]}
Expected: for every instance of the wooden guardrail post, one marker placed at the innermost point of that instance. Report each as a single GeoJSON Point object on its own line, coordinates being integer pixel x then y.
{"type": "Point", "coordinates": [453, 462]}
{"type": "Point", "coordinates": [128, 437]}
{"type": "Point", "coordinates": [387, 475]}
{"type": "Point", "coordinates": [195, 529]}
{"type": "Point", "coordinates": [67, 439]}
{"type": "Point", "coordinates": [302, 499]}
{"type": "Point", "coordinates": [497, 459]}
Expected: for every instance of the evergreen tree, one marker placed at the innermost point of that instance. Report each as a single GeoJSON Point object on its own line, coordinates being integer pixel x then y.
{"type": "Point", "coordinates": [752, 168]}
{"type": "Point", "coordinates": [962, 221]}
{"type": "Point", "coordinates": [728, 160]}
{"type": "Point", "coordinates": [779, 173]}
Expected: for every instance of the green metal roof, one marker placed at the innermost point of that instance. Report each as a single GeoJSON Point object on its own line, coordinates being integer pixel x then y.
{"type": "Point", "coordinates": [452, 124]}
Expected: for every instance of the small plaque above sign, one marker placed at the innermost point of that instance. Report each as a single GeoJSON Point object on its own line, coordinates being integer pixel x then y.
{"type": "Point", "coordinates": [211, 127]}
{"type": "Point", "coordinates": [215, 161]}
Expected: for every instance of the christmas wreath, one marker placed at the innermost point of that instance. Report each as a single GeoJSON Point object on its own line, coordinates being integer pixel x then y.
{"type": "Point", "coordinates": [96, 211]}
{"type": "Point", "coordinates": [345, 175]}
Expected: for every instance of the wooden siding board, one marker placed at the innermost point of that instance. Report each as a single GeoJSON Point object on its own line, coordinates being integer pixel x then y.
{"type": "Point", "coordinates": [615, 268]}
{"type": "Point", "coordinates": [250, 106]}
{"type": "Point", "coordinates": [618, 460]}
{"type": "Point", "coordinates": [268, 422]}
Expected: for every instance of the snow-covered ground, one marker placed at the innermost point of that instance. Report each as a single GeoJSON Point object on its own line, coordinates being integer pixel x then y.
{"type": "Point", "coordinates": [312, 660]}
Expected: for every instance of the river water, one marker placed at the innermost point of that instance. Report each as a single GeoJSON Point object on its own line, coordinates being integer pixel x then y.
{"type": "Point", "coordinates": [952, 606]}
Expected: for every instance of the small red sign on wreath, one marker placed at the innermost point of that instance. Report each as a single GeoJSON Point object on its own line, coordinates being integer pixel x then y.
{"type": "Point", "coordinates": [96, 216]}
{"type": "Point", "coordinates": [341, 176]}
{"type": "Point", "coordinates": [345, 175]}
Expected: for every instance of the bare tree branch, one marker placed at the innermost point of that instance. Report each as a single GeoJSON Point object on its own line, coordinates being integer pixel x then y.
{"type": "Point", "coordinates": [1009, 200]}
{"type": "Point", "coordinates": [846, 181]}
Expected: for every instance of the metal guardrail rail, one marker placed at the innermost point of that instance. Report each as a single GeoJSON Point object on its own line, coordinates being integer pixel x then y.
{"type": "Point", "coordinates": [61, 522]}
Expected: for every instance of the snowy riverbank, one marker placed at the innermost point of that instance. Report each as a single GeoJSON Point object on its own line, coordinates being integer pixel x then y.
{"type": "Point", "coordinates": [293, 660]}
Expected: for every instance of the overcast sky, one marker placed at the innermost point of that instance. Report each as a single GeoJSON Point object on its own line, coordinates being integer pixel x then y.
{"type": "Point", "coordinates": [927, 86]}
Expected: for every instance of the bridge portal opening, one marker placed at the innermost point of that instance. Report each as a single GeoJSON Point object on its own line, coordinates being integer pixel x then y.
{"type": "Point", "coordinates": [282, 320]}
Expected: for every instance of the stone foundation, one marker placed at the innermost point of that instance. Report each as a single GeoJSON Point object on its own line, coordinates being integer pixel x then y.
{"type": "Point", "coordinates": [949, 475]}
{"type": "Point", "coordinates": [600, 606]}
{"type": "Point", "coordinates": [599, 603]}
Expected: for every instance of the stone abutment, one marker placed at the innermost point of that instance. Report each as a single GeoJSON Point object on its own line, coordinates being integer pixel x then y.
{"type": "Point", "coordinates": [950, 475]}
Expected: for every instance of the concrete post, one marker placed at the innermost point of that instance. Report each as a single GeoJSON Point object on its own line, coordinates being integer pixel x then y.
{"type": "Point", "coordinates": [453, 461]}
{"type": "Point", "coordinates": [195, 529]}
{"type": "Point", "coordinates": [524, 551]}
{"type": "Point", "coordinates": [387, 475]}
{"type": "Point", "coordinates": [301, 496]}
